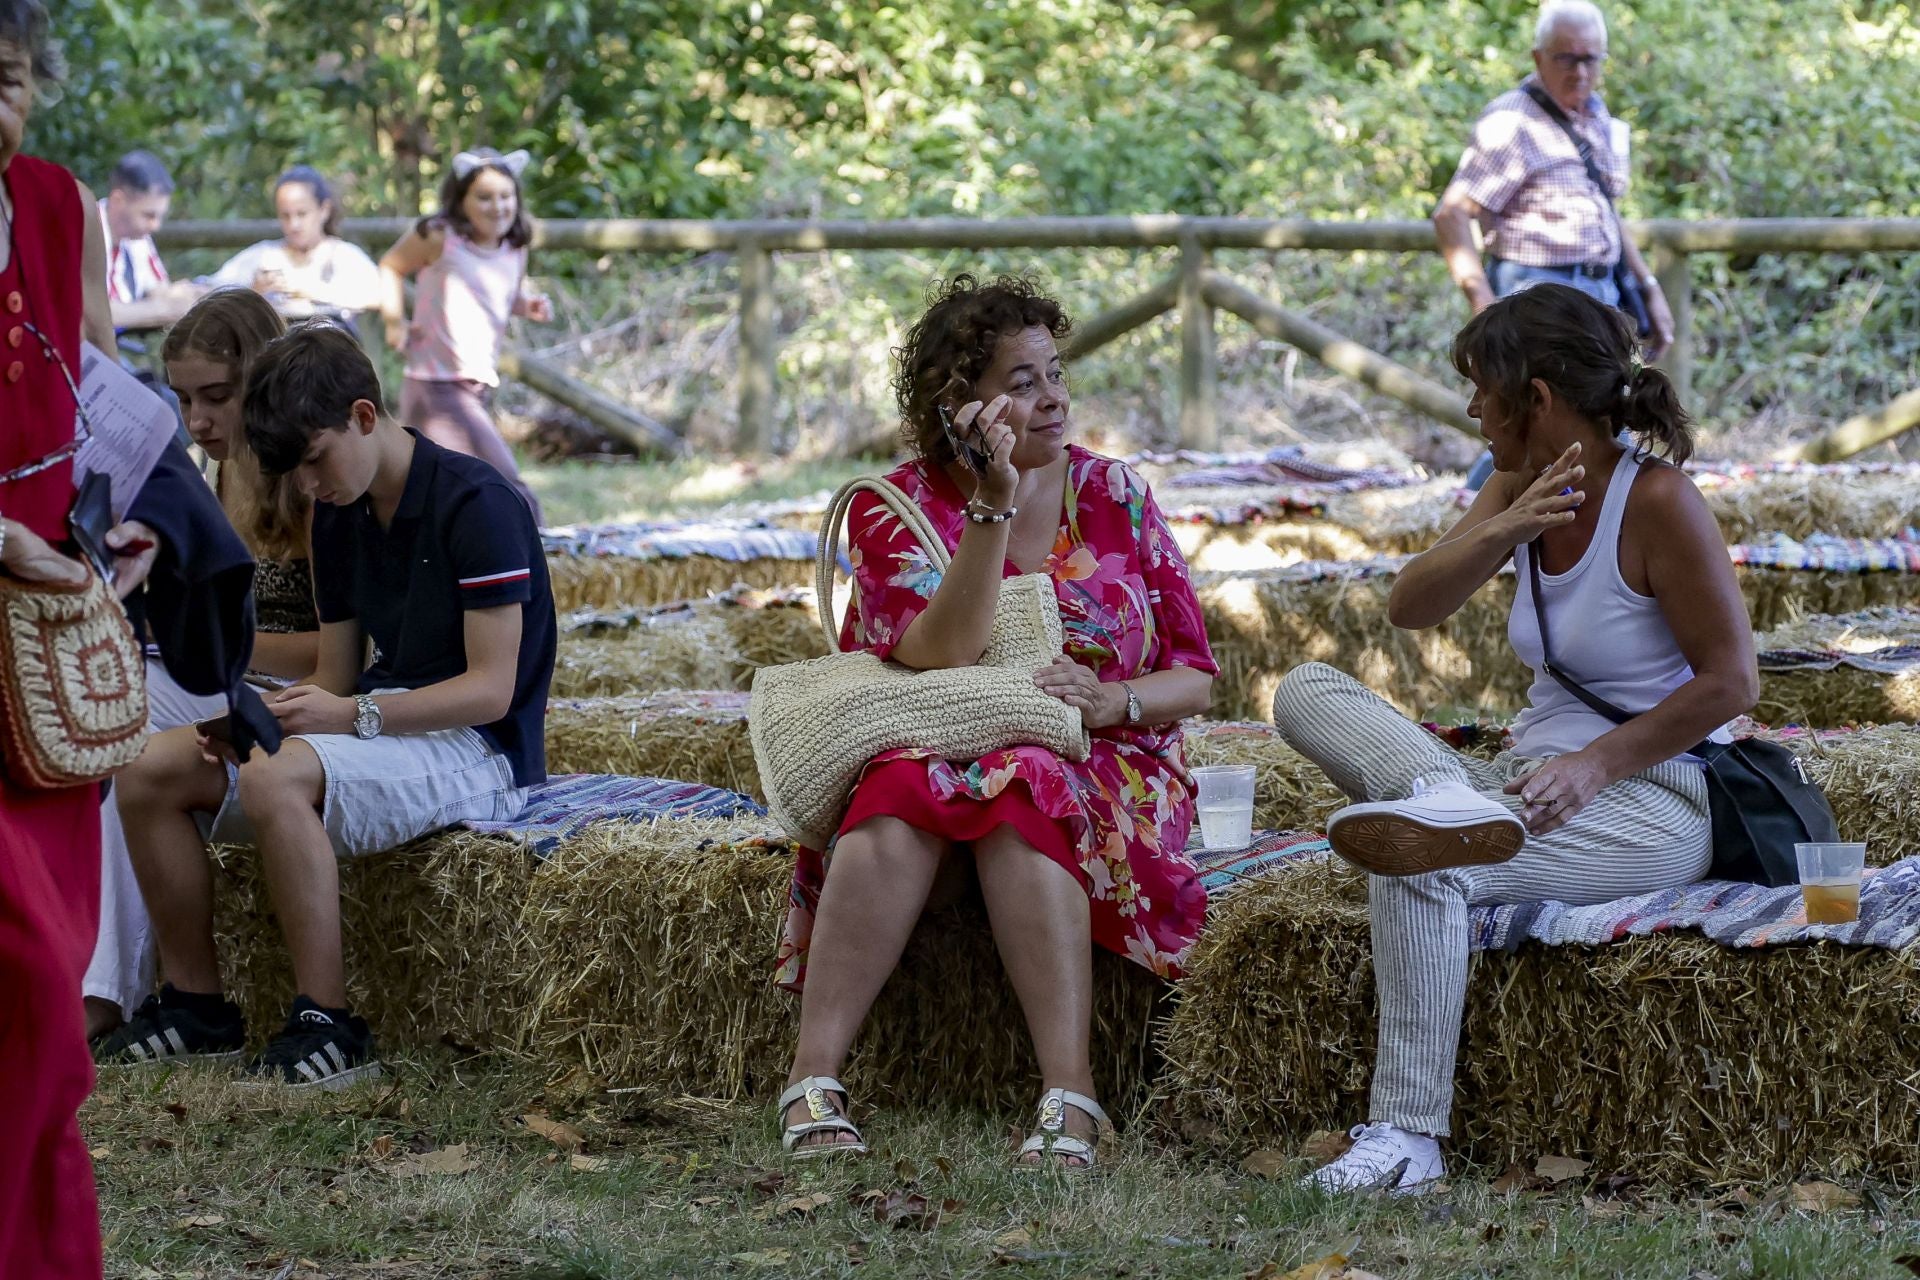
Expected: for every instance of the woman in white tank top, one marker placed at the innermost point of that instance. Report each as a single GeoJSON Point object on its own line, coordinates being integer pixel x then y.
{"type": "Point", "coordinates": [1642, 608]}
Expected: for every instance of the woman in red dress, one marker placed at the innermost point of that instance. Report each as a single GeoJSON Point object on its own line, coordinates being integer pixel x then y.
{"type": "Point", "coordinates": [1066, 853]}
{"type": "Point", "coordinates": [52, 288]}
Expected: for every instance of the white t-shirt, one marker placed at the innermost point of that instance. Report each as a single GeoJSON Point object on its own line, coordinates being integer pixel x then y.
{"type": "Point", "coordinates": [336, 276]}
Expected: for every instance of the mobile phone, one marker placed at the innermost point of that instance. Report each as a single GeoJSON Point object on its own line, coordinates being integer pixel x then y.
{"type": "Point", "coordinates": [975, 459]}
{"type": "Point", "coordinates": [219, 728]}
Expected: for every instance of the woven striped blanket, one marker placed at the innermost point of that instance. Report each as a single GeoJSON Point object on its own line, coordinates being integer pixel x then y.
{"type": "Point", "coordinates": [652, 540]}
{"type": "Point", "coordinates": [1733, 915]}
{"type": "Point", "coordinates": [1289, 465]}
{"type": "Point", "coordinates": [1831, 555]}
{"type": "Point", "coordinates": [593, 622]}
{"type": "Point", "coordinates": [558, 808]}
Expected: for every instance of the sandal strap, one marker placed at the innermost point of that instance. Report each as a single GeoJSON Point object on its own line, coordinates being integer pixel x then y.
{"type": "Point", "coordinates": [1049, 1112]}
{"type": "Point", "coordinates": [838, 1124]}
{"type": "Point", "coordinates": [802, 1088]}
{"type": "Point", "coordinates": [1059, 1145]}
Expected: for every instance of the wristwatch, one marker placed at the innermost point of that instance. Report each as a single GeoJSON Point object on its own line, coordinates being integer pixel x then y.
{"type": "Point", "coordinates": [1133, 703]}
{"type": "Point", "coordinates": [366, 724]}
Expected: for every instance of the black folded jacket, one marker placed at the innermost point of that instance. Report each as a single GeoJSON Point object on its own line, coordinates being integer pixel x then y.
{"type": "Point", "coordinates": [197, 604]}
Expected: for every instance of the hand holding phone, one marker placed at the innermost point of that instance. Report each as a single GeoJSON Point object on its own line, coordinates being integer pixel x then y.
{"type": "Point", "coordinates": [975, 459]}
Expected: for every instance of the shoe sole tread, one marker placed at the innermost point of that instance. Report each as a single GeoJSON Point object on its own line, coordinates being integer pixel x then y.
{"type": "Point", "coordinates": [1391, 844]}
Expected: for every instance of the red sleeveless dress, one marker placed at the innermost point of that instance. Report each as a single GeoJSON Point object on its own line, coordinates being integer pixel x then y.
{"type": "Point", "coordinates": [49, 840]}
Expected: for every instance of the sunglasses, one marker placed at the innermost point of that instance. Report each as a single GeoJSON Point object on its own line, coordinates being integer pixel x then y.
{"type": "Point", "coordinates": [83, 421]}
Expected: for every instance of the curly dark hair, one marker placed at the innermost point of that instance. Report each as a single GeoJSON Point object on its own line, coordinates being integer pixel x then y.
{"type": "Point", "coordinates": [952, 344]}
{"type": "Point", "coordinates": [26, 23]}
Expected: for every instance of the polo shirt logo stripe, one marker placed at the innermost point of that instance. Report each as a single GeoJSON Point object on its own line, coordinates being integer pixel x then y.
{"type": "Point", "coordinates": [492, 579]}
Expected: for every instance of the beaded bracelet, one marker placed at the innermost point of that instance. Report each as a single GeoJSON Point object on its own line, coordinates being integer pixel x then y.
{"type": "Point", "coordinates": [1001, 518]}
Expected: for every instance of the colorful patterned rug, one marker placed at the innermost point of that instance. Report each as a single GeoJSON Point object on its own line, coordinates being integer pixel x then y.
{"type": "Point", "coordinates": [659, 540]}
{"type": "Point", "coordinates": [562, 805]}
{"type": "Point", "coordinates": [1289, 465]}
{"type": "Point", "coordinates": [594, 622]}
{"type": "Point", "coordinates": [1831, 555]}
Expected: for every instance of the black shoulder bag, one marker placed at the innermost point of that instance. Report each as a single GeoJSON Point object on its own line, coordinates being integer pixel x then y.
{"type": "Point", "coordinates": [1632, 300]}
{"type": "Point", "coordinates": [1760, 798]}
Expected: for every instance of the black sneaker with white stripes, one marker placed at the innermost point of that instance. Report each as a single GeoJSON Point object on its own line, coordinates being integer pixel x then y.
{"type": "Point", "coordinates": [170, 1028]}
{"type": "Point", "coordinates": [315, 1050]}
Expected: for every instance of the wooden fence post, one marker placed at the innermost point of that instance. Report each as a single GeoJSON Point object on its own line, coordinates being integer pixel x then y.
{"type": "Point", "coordinates": [1199, 373]}
{"type": "Point", "coordinates": [1672, 268]}
{"type": "Point", "coordinates": [758, 347]}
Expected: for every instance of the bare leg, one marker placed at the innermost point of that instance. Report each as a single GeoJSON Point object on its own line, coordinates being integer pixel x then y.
{"type": "Point", "coordinates": [877, 885]}
{"type": "Point", "coordinates": [281, 796]}
{"type": "Point", "coordinates": [158, 795]}
{"type": "Point", "coordinates": [1040, 923]}
{"type": "Point", "coordinates": [102, 1016]}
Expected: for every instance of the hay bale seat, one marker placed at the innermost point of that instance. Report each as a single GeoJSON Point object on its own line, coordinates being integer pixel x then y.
{"type": "Point", "coordinates": [1264, 623]}
{"type": "Point", "coordinates": [1831, 670]}
{"type": "Point", "coordinates": [645, 952]}
{"type": "Point", "coordinates": [692, 735]}
{"type": "Point", "coordinates": [715, 643]}
{"type": "Point", "coordinates": [1249, 527]}
{"type": "Point", "coordinates": [1671, 1058]}
{"type": "Point", "coordinates": [620, 565]}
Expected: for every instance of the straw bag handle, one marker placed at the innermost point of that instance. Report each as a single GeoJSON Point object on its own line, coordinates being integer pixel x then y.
{"type": "Point", "coordinates": [827, 555]}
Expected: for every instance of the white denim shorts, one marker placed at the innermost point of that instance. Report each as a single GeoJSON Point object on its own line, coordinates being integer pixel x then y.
{"type": "Point", "coordinates": [382, 792]}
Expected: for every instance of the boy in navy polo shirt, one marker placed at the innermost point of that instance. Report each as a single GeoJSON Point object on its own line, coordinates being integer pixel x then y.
{"type": "Point", "coordinates": [430, 561]}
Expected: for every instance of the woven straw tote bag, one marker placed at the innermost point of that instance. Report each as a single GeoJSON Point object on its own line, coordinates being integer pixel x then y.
{"type": "Point", "coordinates": [815, 724]}
{"type": "Point", "coordinates": [73, 684]}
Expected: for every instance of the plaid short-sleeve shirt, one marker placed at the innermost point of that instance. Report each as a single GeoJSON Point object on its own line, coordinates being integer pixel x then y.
{"type": "Point", "coordinates": [1526, 173]}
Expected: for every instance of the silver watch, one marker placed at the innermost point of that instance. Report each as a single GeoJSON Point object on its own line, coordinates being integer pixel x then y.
{"type": "Point", "coordinates": [366, 723]}
{"type": "Point", "coordinates": [1133, 703]}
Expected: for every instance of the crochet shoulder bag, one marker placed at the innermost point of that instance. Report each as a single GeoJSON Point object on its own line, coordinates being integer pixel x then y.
{"type": "Point", "coordinates": [73, 684]}
{"type": "Point", "coordinates": [815, 724]}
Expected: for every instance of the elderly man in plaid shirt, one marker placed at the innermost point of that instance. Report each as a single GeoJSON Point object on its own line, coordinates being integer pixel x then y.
{"type": "Point", "coordinates": [1524, 181]}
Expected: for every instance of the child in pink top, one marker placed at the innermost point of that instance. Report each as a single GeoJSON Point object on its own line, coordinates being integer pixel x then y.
{"type": "Point", "coordinates": [471, 262]}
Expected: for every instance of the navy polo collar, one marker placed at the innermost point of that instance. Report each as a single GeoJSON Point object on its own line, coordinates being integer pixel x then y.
{"type": "Point", "coordinates": [420, 477]}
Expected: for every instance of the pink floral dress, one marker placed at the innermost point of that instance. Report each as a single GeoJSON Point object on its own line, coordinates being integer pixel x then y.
{"type": "Point", "coordinates": [1120, 820]}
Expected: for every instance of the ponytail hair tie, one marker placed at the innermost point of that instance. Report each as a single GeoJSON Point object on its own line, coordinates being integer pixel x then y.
{"type": "Point", "coordinates": [1634, 368]}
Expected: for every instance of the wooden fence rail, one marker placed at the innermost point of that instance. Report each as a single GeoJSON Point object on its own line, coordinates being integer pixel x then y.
{"type": "Point", "coordinates": [1195, 291]}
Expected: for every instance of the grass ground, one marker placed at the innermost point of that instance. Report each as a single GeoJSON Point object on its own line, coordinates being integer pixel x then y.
{"type": "Point", "coordinates": [470, 1169]}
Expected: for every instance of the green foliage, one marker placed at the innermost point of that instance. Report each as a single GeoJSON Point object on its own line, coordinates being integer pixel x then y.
{"type": "Point", "coordinates": [851, 108]}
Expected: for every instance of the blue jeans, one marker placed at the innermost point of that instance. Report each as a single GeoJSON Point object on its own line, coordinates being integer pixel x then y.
{"type": "Point", "coordinates": [1508, 278]}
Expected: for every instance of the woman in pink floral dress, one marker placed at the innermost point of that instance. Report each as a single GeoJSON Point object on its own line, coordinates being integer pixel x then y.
{"type": "Point", "coordinates": [1064, 852]}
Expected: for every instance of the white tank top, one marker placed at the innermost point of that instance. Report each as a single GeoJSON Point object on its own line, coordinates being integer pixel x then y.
{"type": "Point", "coordinates": [461, 304]}
{"type": "Point", "coordinates": [1606, 636]}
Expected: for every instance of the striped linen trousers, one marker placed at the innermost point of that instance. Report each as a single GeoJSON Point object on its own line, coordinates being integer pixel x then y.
{"type": "Point", "coordinates": [1646, 833]}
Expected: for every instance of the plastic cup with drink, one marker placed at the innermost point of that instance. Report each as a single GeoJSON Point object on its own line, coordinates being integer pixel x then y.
{"type": "Point", "coordinates": [1830, 881]}
{"type": "Point", "coordinates": [1225, 801]}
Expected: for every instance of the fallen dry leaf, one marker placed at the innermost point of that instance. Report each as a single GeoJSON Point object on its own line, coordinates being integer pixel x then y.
{"type": "Point", "coordinates": [764, 1258]}
{"type": "Point", "coordinates": [1018, 1238]}
{"type": "Point", "coordinates": [1326, 1145]}
{"type": "Point", "coordinates": [1331, 1267]}
{"type": "Point", "coordinates": [1515, 1178]}
{"type": "Point", "coordinates": [200, 1220]}
{"type": "Point", "coordinates": [1558, 1169]}
{"type": "Point", "coordinates": [178, 1110]}
{"type": "Point", "coordinates": [707, 1202]}
{"type": "Point", "coordinates": [381, 1147]}
{"type": "Point", "coordinates": [445, 1162]}
{"type": "Point", "coordinates": [564, 1136]}
{"type": "Point", "coordinates": [856, 1252]}
{"type": "Point", "coordinates": [1603, 1209]}
{"type": "Point", "coordinates": [587, 1164]}
{"type": "Point", "coordinates": [800, 1206]}
{"type": "Point", "coordinates": [1264, 1162]}
{"type": "Point", "coordinates": [100, 1153]}
{"type": "Point", "coordinates": [766, 1183]}
{"type": "Point", "coordinates": [943, 1166]}
{"type": "Point", "coordinates": [1822, 1197]}
{"type": "Point", "coordinates": [910, 1209]}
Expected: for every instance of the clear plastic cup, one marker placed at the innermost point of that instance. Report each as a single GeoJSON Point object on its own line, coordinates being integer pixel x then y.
{"type": "Point", "coordinates": [1830, 881]}
{"type": "Point", "coordinates": [1225, 800]}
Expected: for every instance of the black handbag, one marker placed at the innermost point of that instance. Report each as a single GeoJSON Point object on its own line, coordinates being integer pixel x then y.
{"type": "Point", "coordinates": [1759, 796]}
{"type": "Point", "coordinates": [1633, 299]}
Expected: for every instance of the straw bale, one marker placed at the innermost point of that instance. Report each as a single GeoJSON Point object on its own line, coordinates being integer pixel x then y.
{"type": "Point", "coordinates": [717, 643]}
{"type": "Point", "coordinates": [432, 935]}
{"type": "Point", "coordinates": [1871, 777]}
{"type": "Point", "coordinates": [1843, 695]}
{"type": "Point", "coordinates": [616, 582]}
{"type": "Point", "coordinates": [1670, 1058]}
{"type": "Point", "coordinates": [691, 736]}
{"type": "Point", "coordinates": [656, 945]}
{"type": "Point", "coordinates": [1846, 501]}
{"type": "Point", "coordinates": [1264, 623]}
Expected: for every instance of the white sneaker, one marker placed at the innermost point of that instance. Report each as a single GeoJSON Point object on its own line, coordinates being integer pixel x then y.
{"type": "Point", "coordinates": [1444, 824]}
{"type": "Point", "coordinates": [1383, 1158]}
